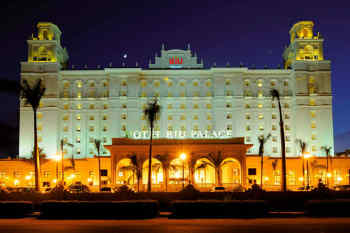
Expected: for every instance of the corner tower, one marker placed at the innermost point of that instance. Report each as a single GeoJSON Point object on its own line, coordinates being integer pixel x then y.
{"type": "Point", "coordinates": [45, 59]}
{"type": "Point", "coordinates": [312, 75]}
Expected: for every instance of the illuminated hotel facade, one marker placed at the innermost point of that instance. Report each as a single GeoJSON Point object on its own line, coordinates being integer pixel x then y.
{"type": "Point", "coordinates": [220, 103]}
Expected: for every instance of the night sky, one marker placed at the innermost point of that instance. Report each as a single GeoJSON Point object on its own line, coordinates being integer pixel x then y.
{"type": "Point", "coordinates": [100, 32]}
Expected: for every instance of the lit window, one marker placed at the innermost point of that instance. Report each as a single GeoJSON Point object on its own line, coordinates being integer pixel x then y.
{"type": "Point", "coordinates": [143, 83]}
{"type": "Point", "coordinates": [313, 148]}
{"type": "Point", "coordinates": [123, 93]}
{"type": "Point", "coordinates": [246, 83]}
{"type": "Point", "coordinates": [273, 83]}
{"type": "Point", "coordinates": [65, 129]}
{"type": "Point", "coordinates": [40, 139]}
{"type": "Point", "coordinates": [104, 117]}
{"type": "Point", "coordinates": [123, 127]}
{"type": "Point", "coordinates": [312, 102]}
{"type": "Point", "coordinates": [170, 106]}
{"type": "Point", "coordinates": [92, 128]}
{"type": "Point", "coordinates": [228, 82]}
{"type": "Point", "coordinates": [260, 94]}
{"type": "Point", "coordinates": [196, 93]}
{"type": "Point", "coordinates": [286, 105]}
{"type": "Point", "coordinates": [228, 93]}
{"type": "Point", "coordinates": [273, 127]}
{"type": "Point", "coordinates": [247, 128]}
{"type": "Point", "coordinates": [208, 117]}
{"type": "Point", "coordinates": [170, 128]}
{"type": "Point", "coordinates": [209, 127]}
{"type": "Point", "coordinates": [247, 116]}
{"type": "Point", "coordinates": [229, 127]}
{"type": "Point", "coordinates": [286, 127]}
{"type": "Point", "coordinates": [247, 106]}
{"type": "Point", "coordinates": [195, 84]}
{"type": "Point", "coordinates": [208, 83]}
{"type": "Point", "coordinates": [183, 117]}
{"type": "Point", "coordinates": [170, 118]}
{"type": "Point", "coordinates": [92, 106]}
{"type": "Point", "coordinates": [195, 128]}
{"type": "Point", "coordinates": [286, 116]}
{"type": "Point", "coordinates": [170, 94]}
{"type": "Point", "coordinates": [285, 83]}
{"type": "Point", "coordinates": [260, 116]}
{"type": "Point", "coordinates": [92, 84]}
{"type": "Point", "coordinates": [123, 116]}
{"type": "Point", "coordinates": [313, 114]}
{"type": "Point", "coordinates": [313, 125]}
{"type": "Point", "coordinates": [313, 137]}
{"type": "Point", "coordinates": [123, 83]}
{"type": "Point", "coordinates": [195, 117]}
{"type": "Point", "coordinates": [228, 105]}
{"type": "Point", "coordinates": [66, 106]}
{"type": "Point", "coordinates": [209, 93]}
{"type": "Point", "coordinates": [195, 106]}
{"type": "Point", "coordinates": [183, 128]}
{"type": "Point", "coordinates": [124, 106]}
{"type": "Point", "coordinates": [65, 117]}
{"type": "Point", "coordinates": [78, 117]}
{"type": "Point", "coordinates": [182, 84]}
{"type": "Point", "coordinates": [105, 84]}
{"type": "Point", "coordinates": [170, 84]}
{"type": "Point", "coordinates": [273, 105]}
{"type": "Point", "coordinates": [66, 85]}
{"type": "Point", "coordinates": [105, 106]}
{"type": "Point", "coordinates": [104, 128]}
{"type": "Point", "coordinates": [78, 94]}
{"type": "Point", "coordinates": [260, 105]}
{"type": "Point", "coordinates": [156, 83]}
{"type": "Point", "coordinates": [78, 128]}
{"type": "Point", "coordinates": [39, 115]}
{"type": "Point", "coordinates": [92, 118]}
{"type": "Point", "coordinates": [182, 106]}
{"type": "Point", "coordinates": [260, 83]}
{"type": "Point", "coordinates": [229, 116]}
{"type": "Point", "coordinates": [287, 138]}
{"type": "Point", "coordinates": [79, 84]}
{"type": "Point", "coordinates": [144, 127]}
{"type": "Point", "coordinates": [274, 116]}
{"type": "Point", "coordinates": [79, 106]}
{"type": "Point", "coordinates": [182, 94]}
{"type": "Point", "coordinates": [78, 140]}
{"type": "Point", "coordinates": [208, 106]}
{"type": "Point", "coordinates": [261, 127]}
{"type": "Point", "coordinates": [274, 139]}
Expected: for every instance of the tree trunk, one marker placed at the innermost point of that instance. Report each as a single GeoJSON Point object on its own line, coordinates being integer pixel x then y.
{"type": "Point", "coordinates": [149, 185]}
{"type": "Point", "coordinates": [218, 176]}
{"type": "Point", "coordinates": [99, 171]}
{"type": "Point", "coordinates": [262, 171]}
{"type": "Point", "coordinates": [36, 156]}
{"type": "Point", "coordinates": [303, 170]}
{"type": "Point", "coordinates": [283, 150]}
{"type": "Point", "coordinates": [327, 180]}
{"type": "Point", "coordinates": [166, 178]}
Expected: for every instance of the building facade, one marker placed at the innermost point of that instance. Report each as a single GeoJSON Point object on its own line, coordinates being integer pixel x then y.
{"type": "Point", "coordinates": [198, 104]}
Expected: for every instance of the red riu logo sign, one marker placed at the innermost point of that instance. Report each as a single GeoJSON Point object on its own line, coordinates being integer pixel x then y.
{"type": "Point", "coordinates": [175, 60]}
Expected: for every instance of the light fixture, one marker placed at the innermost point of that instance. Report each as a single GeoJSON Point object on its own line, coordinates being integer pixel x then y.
{"type": "Point", "coordinates": [183, 156]}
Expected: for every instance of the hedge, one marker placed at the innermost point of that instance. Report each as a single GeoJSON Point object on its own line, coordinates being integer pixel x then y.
{"type": "Point", "coordinates": [337, 208]}
{"type": "Point", "coordinates": [219, 209]}
{"type": "Point", "coordinates": [15, 208]}
{"type": "Point", "coordinates": [135, 209]}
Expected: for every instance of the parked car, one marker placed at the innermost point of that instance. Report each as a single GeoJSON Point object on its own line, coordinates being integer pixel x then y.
{"type": "Point", "coordinates": [78, 188]}
{"type": "Point", "coordinates": [342, 188]}
{"type": "Point", "coordinates": [106, 189]}
{"type": "Point", "coordinates": [218, 189]}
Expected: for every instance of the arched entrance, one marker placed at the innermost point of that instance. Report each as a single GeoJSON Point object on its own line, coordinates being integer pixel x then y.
{"type": "Point", "coordinates": [204, 174]}
{"type": "Point", "coordinates": [231, 175]}
{"type": "Point", "coordinates": [157, 175]}
{"type": "Point", "coordinates": [126, 173]}
{"type": "Point", "coordinates": [178, 174]}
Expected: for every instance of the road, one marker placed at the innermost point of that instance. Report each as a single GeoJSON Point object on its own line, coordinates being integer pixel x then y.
{"type": "Point", "coordinates": [164, 225]}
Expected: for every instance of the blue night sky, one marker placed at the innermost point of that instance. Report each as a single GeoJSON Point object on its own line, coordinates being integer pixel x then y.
{"type": "Point", "coordinates": [252, 32]}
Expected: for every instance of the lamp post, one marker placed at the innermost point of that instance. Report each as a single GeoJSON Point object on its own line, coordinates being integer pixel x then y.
{"type": "Point", "coordinates": [183, 158]}
{"type": "Point", "coordinates": [56, 158]}
{"type": "Point", "coordinates": [307, 156]}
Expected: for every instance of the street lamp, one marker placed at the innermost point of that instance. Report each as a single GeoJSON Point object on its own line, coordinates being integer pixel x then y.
{"type": "Point", "coordinates": [307, 155]}
{"type": "Point", "coordinates": [57, 158]}
{"type": "Point", "coordinates": [183, 158]}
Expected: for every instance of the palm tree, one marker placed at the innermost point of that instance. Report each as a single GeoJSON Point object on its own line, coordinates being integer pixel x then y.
{"type": "Point", "coordinates": [302, 147]}
{"type": "Point", "coordinates": [216, 160]}
{"type": "Point", "coordinates": [98, 148]}
{"type": "Point", "coordinates": [165, 160]}
{"type": "Point", "coordinates": [62, 144]}
{"type": "Point", "coordinates": [151, 112]}
{"type": "Point", "coordinates": [137, 164]}
{"type": "Point", "coordinates": [327, 150]}
{"type": "Point", "coordinates": [204, 165]}
{"type": "Point", "coordinates": [32, 96]}
{"type": "Point", "coordinates": [42, 155]}
{"type": "Point", "coordinates": [262, 141]}
{"type": "Point", "coordinates": [191, 166]}
{"type": "Point", "coordinates": [275, 94]}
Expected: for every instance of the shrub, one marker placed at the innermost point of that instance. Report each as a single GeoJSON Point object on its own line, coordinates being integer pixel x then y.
{"type": "Point", "coordinates": [189, 193]}
{"type": "Point", "coordinates": [99, 209]}
{"type": "Point", "coordinates": [15, 208]}
{"type": "Point", "coordinates": [339, 207]}
{"type": "Point", "coordinates": [218, 209]}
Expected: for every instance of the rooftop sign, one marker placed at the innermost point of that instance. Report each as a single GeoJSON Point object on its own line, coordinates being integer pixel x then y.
{"type": "Point", "coordinates": [176, 59]}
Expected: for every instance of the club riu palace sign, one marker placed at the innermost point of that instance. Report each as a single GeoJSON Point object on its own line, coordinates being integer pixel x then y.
{"type": "Point", "coordinates": [182, 134]}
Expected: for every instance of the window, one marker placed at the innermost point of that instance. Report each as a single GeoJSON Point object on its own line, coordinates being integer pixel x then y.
{"type": "Point", "coordinates": [286, 116]}
{"type": "Point", "coordinates": [170, 118]}
{"type": "Point", "coordinates": [229, 116]}
{"type": "Point", "coordinates": [247, 139]}
{"type": "Point", "coordinates": [228, 105]}
{"type": "Point", "coordinates": [247, 116]}
{"type": "Point", "coordinates": [66, 106]}
{"type": "Point", "coordinates": [209, 93]}
{"type": "Point", "coordinates": [260, 116]}
{"type": "Point", "coordinates": [251, 171]}
{"type": "Point", "coordinates": [124, 106]}
{"type": "Point", "coordinates": [273, 127]}
{"type": "Point", "coordinates": [208, 106]}
{"type": "Point", "coordinates": [104, 128]}
{"type": "Point", "coordinates": [208, 83]}
{"type": "Point", "coordinates": [123, 127]}
{"type": "Point", "coordinates": [78, 128]}
{"type": "Point", "coordinates": [246, 83]}
{"type": "Point", "coordinates": [170, 106]}
{"type": "Point", "coordinates": [227, 82]}
{"type": "Point", "coordinates": [92, 118]}
{"type": "Point", "coordinates": [195, 84]}
{"type": "Point", "coordinates": [183, 128]}
{"type": "Point", "coordinates": [105, 117]}
{"type": "Point", "coordinates": [92, 128]}
{"type": "Point", "coordinates": [39, 115]}
{"type": "Point", "coordinates": [123, 83]}
{"type": "Point", "coordinates": [286, 105]}
{"type": "Point", "coordinates": [260, 93]}
{"type": "Point", "coordinates": [274, 149]}
{"type": "Point", "coordinates": [79, 106]}
{"type": "Point", "coordinates": [313, 114]}
{"type": "Point", "coordinates": [195, 106]}
{"type": "Point", "coordinates": [247, 106]}
{"type": "Point", "coordinates": [209, 127]}
{"type": "Point", "coordinates": [260, 105]}
{"type": "Point", "coordinates": [313, 137]}
{"type": "Point", "coordinates": [156, 83]}
{"type": "Point", "coordinates": [79, 84]}
{"type": "Point", "coordinates": [277, 177]}
{"type": "Point", "coordinates": [247, 128]}
{"type": "Point", "coordinates": [79, 94]}
{"type": "Point", "coordinates": [78, 117]}
{"type": "Point", "coordinates": [274, 139]}
{"type": "Point", "coordinates": [313, 148]}
{"type": "Point", "coordinates": [195, 127]}
{"type": "Point", "coordinates": [143, 83]}
{"type": "Point", "coordinates": [286, 127]}
{"type": "Point", "coordinates": [228, 93]}
{"type": "Point", "coordinates": [274, 116]}
{"type": "Point", "coordinates": [273, 83]}
{"type": "Point", "coordinates": [196, 93]}
{"type": "Point", "coordinates": [182, 94]}
{"type": "Point", "coordinates": [104, 172]}
{"type": "Point", "coordinates": [65, 117]}
{"type": "Point", "coordinates": [261, 128]}
{"type": "Point", "coordinates": [170, 94]}
{"type": "Point", "coordinates": [229, 127]}
{"type": "Point", "coordinates": [78, 139]}
{"type": "Point", "coordinates": [182, 117]}
{"type": "Point", "coordinates": [182, 106]}
{"type": "Point", "coordinates": [312, 102]}
{"type": "Point", "coordinates": [105, 106]}
{"type": "Point", "coordinates": [182, 84]}
{"type": "Point", "coordinates": [170, 128]}
{"type": "Point", "coordinates": [195, 117]}
{"type": "Point", "coordinates": [209, 117]}
{"type": "Point", "coordinates": [260, 83]}
{"type": "Point", "coordinates": [273, 105]}
{"type": "Point", "coordinates": [170, 84]}
{"type": "Point", "coordinates": [65, 128]}
{"type": "Point", "coordinates": [124, 116]}
{"type": "Point", "coordinates": [92, 106]}
{"type": "Point", "coordinates": [92, 84]}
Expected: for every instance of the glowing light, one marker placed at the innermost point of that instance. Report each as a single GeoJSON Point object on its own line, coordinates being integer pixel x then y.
{"type": "Point", "coordinates": [28, 177]}
{"type": "Point", "coordinates": [120, 174]}
{"type": "Point", "coordinates": [329, 174]}
{"type": "Point", "coordinates": [16, 182]}
{"type": "Point", "coordinates": [89, 180]}
{"type": "Point", "coordinates": [301, 178]}
{"type": "Point", "coordinates": [307, 155]}
{"type": "Point", "coordinates": [125, 56]}
{"type": "Point", "coordinates": [266, 178]}
{"type": "Point", "coordinates": [54, 181]}
{"type": "Point", "coordinates": [183, 156]}
{"type": "Point", "coordinates": [339, 178]}
{"type": "Point", "coordinates": [55, 157]}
